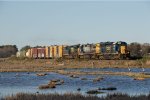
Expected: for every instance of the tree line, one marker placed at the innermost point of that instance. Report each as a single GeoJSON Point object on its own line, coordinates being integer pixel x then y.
{"type": "Point", "coordinates": [8, 51]}
{"type": "Point", "coordinates": [138, 50]}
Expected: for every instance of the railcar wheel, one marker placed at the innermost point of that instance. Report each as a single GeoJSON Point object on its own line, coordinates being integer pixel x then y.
{"type": "Point", "coordinates": [121, 57]}
{"type": "Point", "coordinates": [101, 57]}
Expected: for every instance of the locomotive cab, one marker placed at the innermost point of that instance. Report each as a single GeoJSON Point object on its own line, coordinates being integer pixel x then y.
{"type": "Point", "coordinates": [122, 49]}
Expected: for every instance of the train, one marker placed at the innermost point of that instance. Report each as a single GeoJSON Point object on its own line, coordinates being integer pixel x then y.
{"type": "Point", "coordinates": [101, 50]}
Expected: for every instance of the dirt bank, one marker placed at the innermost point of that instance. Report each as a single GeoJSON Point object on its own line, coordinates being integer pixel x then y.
{"type": "Point", "coordinates": [130, 74]}
{"type": "Point", "coordinates": [37, 65]}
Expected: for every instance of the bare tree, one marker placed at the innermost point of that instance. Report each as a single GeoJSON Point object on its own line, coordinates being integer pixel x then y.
{"type": "Point", "coordinates": [135, 50]}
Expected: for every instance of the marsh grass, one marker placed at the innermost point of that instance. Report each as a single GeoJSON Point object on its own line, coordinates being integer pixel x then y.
{"type": "Point", "coordinates": [14, 64]}
{"type": "Point", "coordinates": [69, 96]}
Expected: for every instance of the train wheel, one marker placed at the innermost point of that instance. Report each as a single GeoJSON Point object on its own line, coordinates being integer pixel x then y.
{"type": "Point", "coordinates": [96, 56]}
{"type": "Point", "coordinates": [90, 56]}
{"type": "Point", "coordinates": [121, 57]}
{"type": "Point", "coordinates": [101, 57]}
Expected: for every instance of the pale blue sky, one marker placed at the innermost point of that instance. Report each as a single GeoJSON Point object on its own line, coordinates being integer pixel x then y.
{"type": "Point", "coordinates": [69, 22]}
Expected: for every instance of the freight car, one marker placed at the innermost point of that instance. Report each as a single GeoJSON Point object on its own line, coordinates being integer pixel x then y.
{"type": "Point", "coordinates": [41, 53]}
{"type": "Point", "coordinates": [86, 51]}
{"type": "Point", "coordinates": [36, 53]}
{"type": "Point", "coordinates": [73, 51]}
{"type": "Point", "coordinates": [55, 51]}
{"type": "Point", "coordinates": [70, 52]}
{"type": "Point", "coordinates": [47, 52]}
{"type": "Point", "coordinates": [102, 50]}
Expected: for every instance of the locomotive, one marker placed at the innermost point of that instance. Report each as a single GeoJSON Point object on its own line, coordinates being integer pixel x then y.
{"type": "Point", "coordinates": [102, 50]}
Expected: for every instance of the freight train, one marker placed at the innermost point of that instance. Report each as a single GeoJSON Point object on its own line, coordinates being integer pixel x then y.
{"type": "Point", "coordinates": [102, 50]}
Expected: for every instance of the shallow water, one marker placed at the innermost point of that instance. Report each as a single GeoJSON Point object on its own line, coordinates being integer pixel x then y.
{"type": "Point", "coordinates": [12, 83]}
{"type": "Point", "coordinates": [111, 69]}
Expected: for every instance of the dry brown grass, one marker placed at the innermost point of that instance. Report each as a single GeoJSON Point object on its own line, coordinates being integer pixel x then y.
{"type": "Point", "coordinates": [47, 65]}
{"type": "Point", "coordinates": [130, 74]}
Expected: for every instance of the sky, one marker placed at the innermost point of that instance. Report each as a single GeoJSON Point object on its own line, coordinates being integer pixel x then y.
{"type": "Point", "coordinates": [69, 22]}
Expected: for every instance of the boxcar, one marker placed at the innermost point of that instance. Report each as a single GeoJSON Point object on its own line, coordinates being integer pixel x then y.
{"type": "Point", "coordinates": [60, 51]}
{"type": "Point", "coordinates": [65, 51]}
{"type": "Point", "coordinates": [47, 51]}
{"type": "Point", "coordinates": [34, 53]}
{"type": "Point", "coordinates": [56, 51]}
{"type": "Point", "coordinates": [41, 53]}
